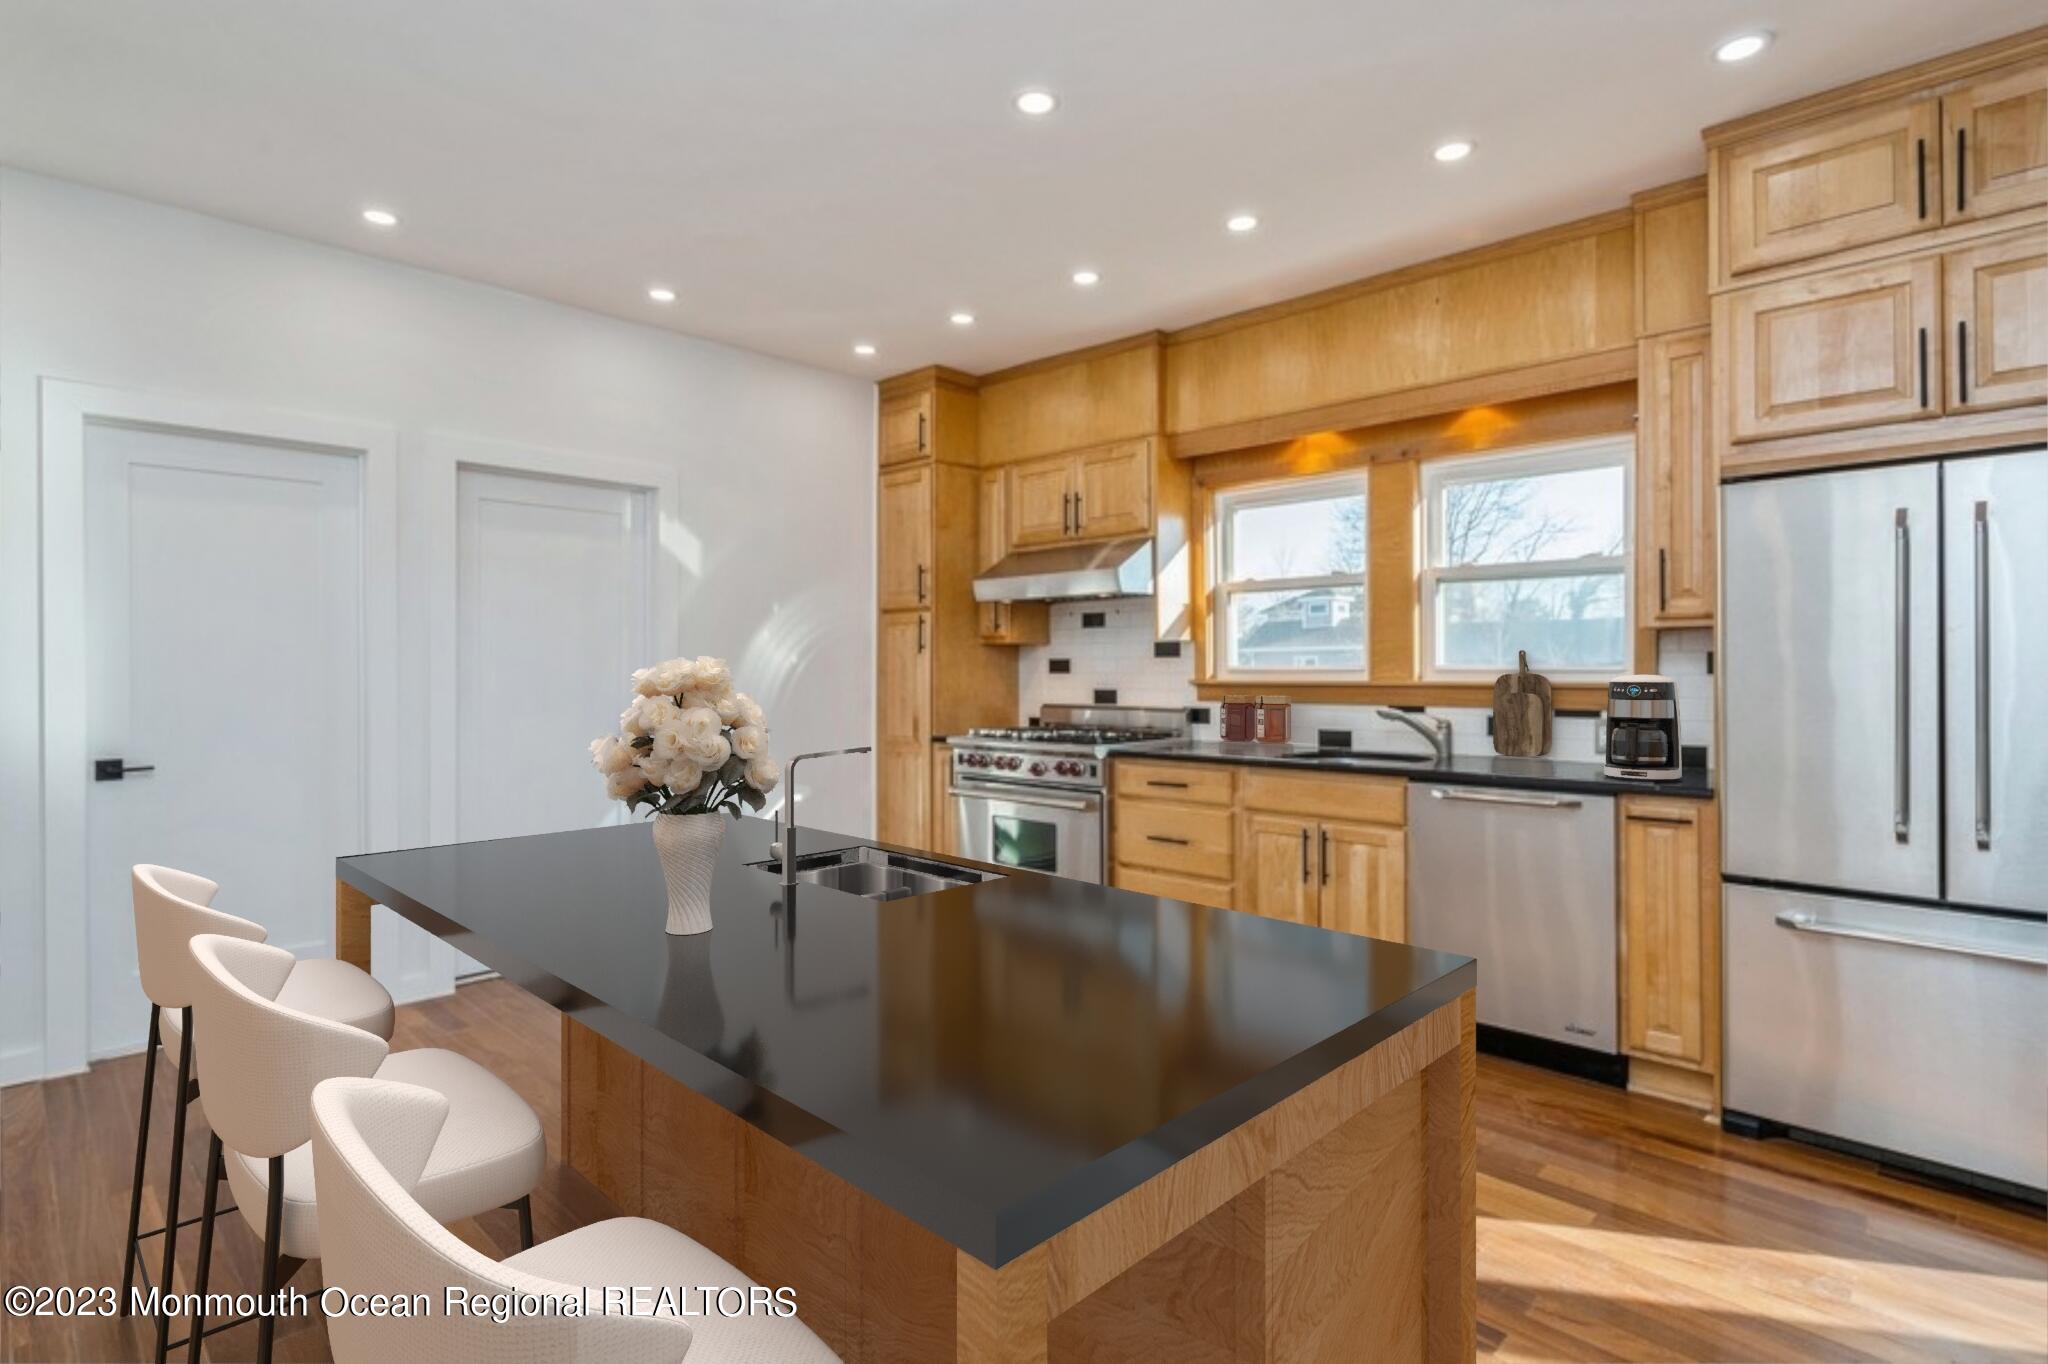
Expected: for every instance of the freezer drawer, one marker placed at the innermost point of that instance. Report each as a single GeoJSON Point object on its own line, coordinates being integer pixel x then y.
{"type": "Point", "coordinates": [1923, 1031]}
{"type": "Point", "coordinates": [1523, 881]}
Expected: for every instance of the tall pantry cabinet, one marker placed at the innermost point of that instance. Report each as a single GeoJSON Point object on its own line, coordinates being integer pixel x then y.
{"type": "Point", "coordinates": [933, 674]}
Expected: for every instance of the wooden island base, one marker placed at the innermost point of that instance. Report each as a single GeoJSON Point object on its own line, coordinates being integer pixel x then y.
{"type": "Point", "coordinates": [1337, 1226]}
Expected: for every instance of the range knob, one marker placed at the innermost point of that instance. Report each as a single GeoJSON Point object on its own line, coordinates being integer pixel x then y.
{"type": "Point", "coordinates": [1013, 762]}
{"type": "Point", "coordinates": [1038, 769]}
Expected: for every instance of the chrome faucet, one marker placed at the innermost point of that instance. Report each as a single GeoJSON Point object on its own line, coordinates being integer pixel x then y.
{"type": "Point", "coordinates": [1434, 728]}
{"type": "Point", "coordinates": [785, 847]}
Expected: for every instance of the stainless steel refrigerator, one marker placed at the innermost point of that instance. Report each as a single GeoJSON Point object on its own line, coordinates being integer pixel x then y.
{"type": "Point", "coordinates": [1884, 658]}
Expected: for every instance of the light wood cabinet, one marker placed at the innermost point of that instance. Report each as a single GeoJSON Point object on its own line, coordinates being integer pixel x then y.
{"type": "Point", "coordinates": [1113, 491]}
{"type": "Point", "coordinates": [1670, 926]}
{"type": "Point", "coordinates": [904, 528]}
{"type": "Point", "coordinates": [1277, 874]}
{"type": "Point", "coordinates": [1365, 880]}
{"type": "Point", "coordinates": [1997, 296]}
{"type": "Point", "coordinates": [1842, 348]}
{"type": "Point", "coordinates": [1995, 131]}
{"type": "Point", "coordinates": [903, 738]}
{"type": "Point", "coordinates": [1100, 494]}
{"type": "Point", "coordinates": [1676, 491]}
{"type": "Point", "coordinates": [940, 831]}
{"type": "Point", "coordinates": [906, 427]}
{"type": "Point", "coordinates": [1174, 831]}
{"type": "Point", "coordinates": [1004, 622]}
{"type": "Point", "coordinates": [1806, 192]}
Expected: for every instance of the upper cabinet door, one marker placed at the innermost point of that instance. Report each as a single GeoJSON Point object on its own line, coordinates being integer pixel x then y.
{"type": "Point", "coordinates": [906, 428]}
{"type": "Point", "coordinates": [1808, 191]}
{"type": "Point", "coordinates": [994, 525]}
{"type": "Point", "coordinates": [1675, 488]}
{"type": "Point", "coordinates": [1998, 322]}
{"type": "Point", "coordinates": [906, 535]}
{"type": "Point", "coordinates": [1041, 497]}
{"type": "Point", "coordinates": [1114, 491]}
{"type": "Point", "coordinates": [1838, 349]}
{"type": "Point", "coordinates": [1995, 135]}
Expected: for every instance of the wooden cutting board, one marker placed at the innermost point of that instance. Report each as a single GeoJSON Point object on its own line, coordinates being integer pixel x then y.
{"type": "Point", "coordinates": [1521, 712]}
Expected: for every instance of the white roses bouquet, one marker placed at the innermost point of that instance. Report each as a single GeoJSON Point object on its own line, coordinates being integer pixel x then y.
{"type": "Point", "coordinates": [689, 744]}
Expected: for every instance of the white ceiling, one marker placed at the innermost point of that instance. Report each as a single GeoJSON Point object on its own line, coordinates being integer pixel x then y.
{"type": "Point", "coordinates": [805, 173]}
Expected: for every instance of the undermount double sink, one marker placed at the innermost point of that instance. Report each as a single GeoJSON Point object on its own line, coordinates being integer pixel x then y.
{"type": "Point", "coordinates": [877, 873]}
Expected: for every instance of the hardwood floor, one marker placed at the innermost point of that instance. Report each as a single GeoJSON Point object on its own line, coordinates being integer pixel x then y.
{"type": "Point", "coordinates": [1611, 1227]}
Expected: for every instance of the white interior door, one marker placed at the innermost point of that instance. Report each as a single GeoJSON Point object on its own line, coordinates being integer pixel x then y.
{"type": "Point", "coordinates": [224, 649]}
{"type": "Point", "coordinates": [554, 612]}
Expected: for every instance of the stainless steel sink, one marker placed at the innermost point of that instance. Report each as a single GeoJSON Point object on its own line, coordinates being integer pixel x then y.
{"type": "Point", "coordinates": [877, 873]}
{"type": "Point", "coordinates": [1354, 757]}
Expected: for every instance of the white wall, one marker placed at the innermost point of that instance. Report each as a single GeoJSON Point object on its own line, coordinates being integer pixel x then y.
{"type": "Point", "coordinates": [777, 461]}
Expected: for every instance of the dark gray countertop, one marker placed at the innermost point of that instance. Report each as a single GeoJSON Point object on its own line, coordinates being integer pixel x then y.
{"type": "Point", "coordinates": [994, 1061]}
{"type": "Point", "coordinates": [1535, 774]}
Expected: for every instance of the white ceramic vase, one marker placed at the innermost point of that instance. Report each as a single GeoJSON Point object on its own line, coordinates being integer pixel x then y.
{"type": "Point", "coordinates": [688, 847]}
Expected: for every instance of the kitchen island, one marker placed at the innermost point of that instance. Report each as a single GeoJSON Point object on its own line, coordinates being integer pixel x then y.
{"type": "Point", "coordinates": [1024, 1119]}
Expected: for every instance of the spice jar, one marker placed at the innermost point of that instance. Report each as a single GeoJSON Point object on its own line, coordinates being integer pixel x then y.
{"type": "Point", "coordinates": [1272, 719]}
{"type": "Point", "coordinates": [1238, 727]}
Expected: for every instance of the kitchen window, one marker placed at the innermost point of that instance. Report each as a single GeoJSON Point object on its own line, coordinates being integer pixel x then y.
{"type": "Point", "coordinates": [1527, 551]}
{"type": "Point", "coordinates": [1289, 590]}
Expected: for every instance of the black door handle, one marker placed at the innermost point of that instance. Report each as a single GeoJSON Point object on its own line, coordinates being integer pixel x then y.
{"type": "Point", "coordinates": [114, 769]}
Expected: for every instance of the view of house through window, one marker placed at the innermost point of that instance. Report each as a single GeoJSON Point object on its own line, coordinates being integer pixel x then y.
{"type": "Point", "coordinates": [1290, 595]}
{"type": "Point", "coordinates": [1528, 551]}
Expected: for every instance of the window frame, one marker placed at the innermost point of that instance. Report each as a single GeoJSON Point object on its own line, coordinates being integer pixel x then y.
{"type": "Point", "coordinates": [1225, 503]}
{"type": "Point", "coordinates": [1438, 475]}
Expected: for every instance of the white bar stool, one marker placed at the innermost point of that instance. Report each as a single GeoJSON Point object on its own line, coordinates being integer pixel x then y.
{"type": "Point", "coordinates": [259, 1061]}
{"type": "Point", "coordinates": [171, 908]}
{"type": "Point", "coordinates": [374, 1146]}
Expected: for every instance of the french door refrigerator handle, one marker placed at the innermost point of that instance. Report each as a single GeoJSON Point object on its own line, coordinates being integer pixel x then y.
{"type": "Point", "coordinates": [1980, 535]}
{"type": "Point", "coordinates": [1902, 685]}
{"type": "Point", "coordinates": [1801, 921]}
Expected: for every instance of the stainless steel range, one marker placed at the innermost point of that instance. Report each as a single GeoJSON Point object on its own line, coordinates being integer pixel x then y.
{"type": "Point", "coordinates": [1037, 796]}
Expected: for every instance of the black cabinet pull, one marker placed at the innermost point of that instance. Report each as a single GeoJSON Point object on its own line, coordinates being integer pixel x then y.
{"type": "Point", "coordinates": [923, 444]}
{"type": "Point", "coordinates": [1920, 171]}
{"type": "Point", "coordinates": [114, 769]}
{"type": "Point", "coordinates": [1923, 367]}
{"type": "Point", "coordinates": [1066, 513]}
{"type": "Point", "coordinates": [1304, 857]}
{"type": "Point", "coordinates": [1962, 362]}
{"type": "Point", "coordinates": [1079, 520]}
{"type": "Point", "coordinates": [1962, 177]}
{"type": "Point", "coordinates": [1326, 857]}
{"type": "Point", "coordinates": [920, 634]}
{"type": "Point", "coordinates": [1169, 785]}
{"type": "Point", "coordinates": [1163, 838]}
{"type": "Point", "coordinates": [1663, 593]}
{"type": "Point", "coordinates": [920, 584]}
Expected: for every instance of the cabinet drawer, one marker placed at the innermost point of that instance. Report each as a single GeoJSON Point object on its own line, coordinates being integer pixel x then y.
{"type": "Point", "coordinates": [1188, 839]}
{"type": "Point", "coordinates": [1370, 800]}
{"type": "Point", "coordinates": [1194, 783]}
{"type": "Point", "coordinates": [1194, 889]}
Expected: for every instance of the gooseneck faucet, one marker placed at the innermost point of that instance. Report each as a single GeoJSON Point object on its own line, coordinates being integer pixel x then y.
{"type": "Point", "coordinates": [1434, 728]}
{"type": "Point", "coordinates": [787, 819]}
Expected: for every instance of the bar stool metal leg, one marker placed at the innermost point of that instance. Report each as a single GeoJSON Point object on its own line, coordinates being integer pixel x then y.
{"type": "Point", "coordinates": [163, 1316]}
{"type": "Point", "coordinates": [141, 1159]}
{"type": "Point", "coordinates": [525, 1206]}
{"type": "Point", "coordinates": [215, 1172]}
{"type": "Point", "coordinates": [273, 1218]}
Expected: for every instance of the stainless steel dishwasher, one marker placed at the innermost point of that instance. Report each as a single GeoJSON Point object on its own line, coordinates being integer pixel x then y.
{"type": "Point", "coordinates": [1524, 881]}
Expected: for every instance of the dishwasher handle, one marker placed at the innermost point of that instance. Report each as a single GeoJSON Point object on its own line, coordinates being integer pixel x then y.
{"type": "Point", "coordinates": [1533, 802]}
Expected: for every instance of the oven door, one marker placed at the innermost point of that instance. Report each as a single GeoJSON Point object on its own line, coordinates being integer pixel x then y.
{"type": "Point", "coordinates": [1059, 832]}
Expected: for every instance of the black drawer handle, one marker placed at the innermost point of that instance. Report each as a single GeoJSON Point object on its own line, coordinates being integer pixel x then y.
{"type": "Point", "coordinates": [1162, 838]}
{"type": "Point", "coordinates": [1169, 785]}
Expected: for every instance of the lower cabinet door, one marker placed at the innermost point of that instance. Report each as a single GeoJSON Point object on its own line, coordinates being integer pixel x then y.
{"type": "Point", "coordinates": [1277, 868]}
{"type": "Point", "coordinates": [1364, 870]}
{"type": "Point", "coordinates": [1664, 988]}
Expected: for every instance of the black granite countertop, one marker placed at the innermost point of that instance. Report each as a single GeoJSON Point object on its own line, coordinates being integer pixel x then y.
{"type": "Point", "coordinates": [994, 1061]}
{"type": "Point", "coordinates": [1534, 774]}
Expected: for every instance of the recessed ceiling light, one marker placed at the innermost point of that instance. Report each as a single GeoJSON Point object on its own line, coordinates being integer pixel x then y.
{"type": "Point", "coordinates": [863, 348]}
{"type": "Point", "coordinates": [1453, 151]}
{"type": "Point", "coordinates": [1743, 48]}
{"type": "Point", "coordinates": [962, 319]}
{"type": "Point", "coordinates": [1036, 102]}
{"type": "Point", "coordinates": [1087, 279]}
{"type": "Point", "coordinates": [661, 293]}
{"type": "Point", "coordinates": [1243, 222]}
{"type": "Point", "coordinates": [380, 217]}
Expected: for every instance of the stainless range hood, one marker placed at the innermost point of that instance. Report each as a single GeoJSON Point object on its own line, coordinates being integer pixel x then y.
{"type": "Point", "coordinates": [1116, 568]}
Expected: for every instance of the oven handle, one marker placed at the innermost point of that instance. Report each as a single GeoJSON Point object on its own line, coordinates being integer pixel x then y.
{"type": "Point", "coordinates": [1025, 796]}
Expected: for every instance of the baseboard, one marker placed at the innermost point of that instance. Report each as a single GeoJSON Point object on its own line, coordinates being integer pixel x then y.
{"type": "Point", "coordinates": [1676, 1084]}
{"type": "Point", "coordinates": [414, 986]}
{"type": "Point", "coordinates": [21, 1065]}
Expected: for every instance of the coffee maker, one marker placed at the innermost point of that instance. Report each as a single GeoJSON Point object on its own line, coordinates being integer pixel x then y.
{"type": "Point", "coordinates": [1642, 728]}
